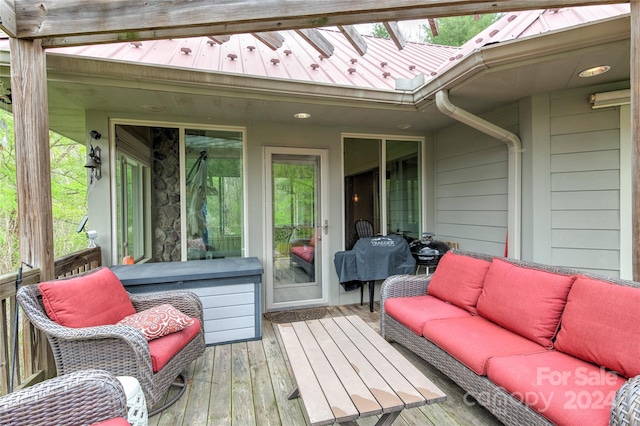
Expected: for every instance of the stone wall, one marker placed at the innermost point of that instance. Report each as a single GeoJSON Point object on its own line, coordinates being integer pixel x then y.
{"type": "Point", "coordinates": [165, 204]}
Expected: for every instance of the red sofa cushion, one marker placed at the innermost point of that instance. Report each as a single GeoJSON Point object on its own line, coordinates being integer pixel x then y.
{"type": "Point", "coordinates": [305, 252]}
{"type": "Point", "coordinates": [600, 325]}
{"type": "Point", "coordinates": [414, 312]}
{"type": "Point", "coordinates": [164, 348]}
{"type": "Point", "coordinates": [116, 421]}
{"type": "Point", "coordinates": [562, 388]}
{"type": "Point", "coordinates": [98, 298]}
{"type": "Point", "coordinates": [474, 340]}
{"type": "Point", "coordinates": [526, 301]}
{"type": "Point", "coordinates": [458, 279]}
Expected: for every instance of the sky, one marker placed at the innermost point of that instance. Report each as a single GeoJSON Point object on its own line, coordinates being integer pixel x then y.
{"type": "Point", "coordinates": [410, 29]}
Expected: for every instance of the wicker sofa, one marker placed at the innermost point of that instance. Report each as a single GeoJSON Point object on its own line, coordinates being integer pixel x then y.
{"type": "Point", "coordinates": [534, 344]}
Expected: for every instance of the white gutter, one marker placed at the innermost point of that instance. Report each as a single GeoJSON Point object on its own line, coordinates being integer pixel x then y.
{"type": "Point", "coordinates": [515, 164]}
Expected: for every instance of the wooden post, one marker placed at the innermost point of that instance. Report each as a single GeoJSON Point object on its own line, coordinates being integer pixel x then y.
{"type": "Point", "coordinates": [635, 132]}
{"type": "Point", "coordinates": [33, 168]}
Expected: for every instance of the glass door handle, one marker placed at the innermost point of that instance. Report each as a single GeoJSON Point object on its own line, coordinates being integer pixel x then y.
{"type": "Point", "coordinates": [326, 227]}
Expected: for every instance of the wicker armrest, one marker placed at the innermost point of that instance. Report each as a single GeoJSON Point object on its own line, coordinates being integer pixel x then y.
{"type": "Point", "coordinates": [81, 398]}
{"type": "Point", "coordinates": [186, 302]}
{"type": "Point", "coordinates": [625, 408]}
{"type": "Point", "coordinates": [404, 286]}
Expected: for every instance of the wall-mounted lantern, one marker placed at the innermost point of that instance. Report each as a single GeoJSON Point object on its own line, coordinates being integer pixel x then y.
{"type": "Point", "coordinates": [94, 163]}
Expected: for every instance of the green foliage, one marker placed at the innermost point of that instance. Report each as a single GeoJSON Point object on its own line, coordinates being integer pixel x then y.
{"type": "Point", "coordinates": [457, 30]}
{"type": "Point", "coordinates": [380, 31]}
{"type": "Point", "coordinates": [68, 192]}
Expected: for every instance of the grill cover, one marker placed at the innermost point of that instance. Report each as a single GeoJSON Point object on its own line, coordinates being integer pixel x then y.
{"type": "Point", "coordinates": [374, 259]}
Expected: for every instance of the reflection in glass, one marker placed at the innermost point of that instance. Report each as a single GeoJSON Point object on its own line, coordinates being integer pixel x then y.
{"type": "Point", "coordinates": [214, 194]}
{"type": "Point", "coordinates": [403, 188]}
{"type": "Point", "coordinates": [295, 244]}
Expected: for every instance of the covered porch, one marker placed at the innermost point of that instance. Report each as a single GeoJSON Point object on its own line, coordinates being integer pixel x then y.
{"type": "Point", "coordinates": [536, 228]}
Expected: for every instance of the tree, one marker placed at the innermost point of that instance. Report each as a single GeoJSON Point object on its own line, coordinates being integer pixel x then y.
{"type": "Point", "coordinates": [457, 30]}
{"type": "Point", "coordinates": [380, 31]}
{"type": "Point", "coordinates": [68, 194]}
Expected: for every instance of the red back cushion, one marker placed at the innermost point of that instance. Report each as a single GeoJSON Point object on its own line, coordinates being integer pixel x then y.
{"type": "Point", "coordinates": [526, 301]}
{"type": "Point", "coordinates": [458, 279]}
{"type": "Point", "coordinates": [98, 298]}
{"type": "Point", "coordinates": [600, 325]}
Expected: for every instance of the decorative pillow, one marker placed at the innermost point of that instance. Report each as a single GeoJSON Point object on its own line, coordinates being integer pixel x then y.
{"type": "Point", "coordinates": [458, 279]}
{"type": "Point", "coordinates": [158, 321]}
{"type": "Point", "coordinates": [600, 325]}
{"type": "Point", "coordinates": [98, 298]}
{"type": "Point", "coordinates": [524, 300]}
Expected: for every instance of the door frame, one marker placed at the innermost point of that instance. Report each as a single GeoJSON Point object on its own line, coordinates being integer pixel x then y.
{"type": "Point", "coordinates": [321, 223]}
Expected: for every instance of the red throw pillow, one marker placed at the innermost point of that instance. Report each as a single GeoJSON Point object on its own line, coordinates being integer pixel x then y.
{"type": "Point", "coordinates": [458, 279]}
{"type": "Point", "coordinates": [600, 325]}
{"type": "Point", "coordinates": [524, 300]}
{"type": "Point", "coordinates": [158, 321]}
{"type": "Point", "coordinates": [98, 298]}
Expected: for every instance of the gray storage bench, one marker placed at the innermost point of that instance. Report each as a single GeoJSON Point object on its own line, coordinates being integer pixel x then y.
{"type": "Point", "coordinates": [230, 290]}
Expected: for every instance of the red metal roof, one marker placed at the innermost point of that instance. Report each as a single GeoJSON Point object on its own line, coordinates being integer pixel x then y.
{"type": "Point", "coordinates": [298, 60]}
{"type": "Point", "coordinates": [516, 25]}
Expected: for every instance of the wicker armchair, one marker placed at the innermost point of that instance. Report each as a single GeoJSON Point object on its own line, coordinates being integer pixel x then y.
{"type": "Point", "coordinates": [118, 349]}
{"type": "Point", "coordinates": [81, 398]}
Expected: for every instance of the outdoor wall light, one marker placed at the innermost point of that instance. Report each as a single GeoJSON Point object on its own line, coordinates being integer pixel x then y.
{"type": "Point", "coordinates": [94, 163]}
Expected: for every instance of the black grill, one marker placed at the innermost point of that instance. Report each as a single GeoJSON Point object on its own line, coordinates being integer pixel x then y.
{"type": "Point", "coordinates": [427, 251]}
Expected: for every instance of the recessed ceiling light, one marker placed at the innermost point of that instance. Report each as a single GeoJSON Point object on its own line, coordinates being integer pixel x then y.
{"type": "Point", "coordinates": [302, 115]}
{"type": "Point", "coordinates": [404, 126]}
{"type": "Point", "coordinates": [593, 71]}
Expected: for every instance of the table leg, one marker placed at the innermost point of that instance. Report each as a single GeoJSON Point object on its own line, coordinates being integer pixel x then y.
{"type": "Point", "coordinates": [372, 288]}
{"type": "Point", "coordinates": [384, 420]}
{"type": "Point", "coordinates": [295, 392]}
{"type": "Point", "coordinates": [388, 418]}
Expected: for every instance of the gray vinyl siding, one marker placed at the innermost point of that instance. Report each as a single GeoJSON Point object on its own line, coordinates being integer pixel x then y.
{"type": "Point", "coordinates": [471, 185]}
{"type": "Point", "coordinates": [585, 184]}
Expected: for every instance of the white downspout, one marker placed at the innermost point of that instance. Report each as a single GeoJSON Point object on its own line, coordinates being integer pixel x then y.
{"type": "Point", "coordinates": [515, 163]}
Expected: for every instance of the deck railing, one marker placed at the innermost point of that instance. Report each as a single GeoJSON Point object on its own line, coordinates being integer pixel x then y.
{"type": "Point", "coordinates": [33, 361]}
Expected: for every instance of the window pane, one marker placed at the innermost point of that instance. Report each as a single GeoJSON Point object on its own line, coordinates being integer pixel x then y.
{"type": "Point", "coordinates": [215, 201]}
{"type": "Point", "coordinates": [403, 188]}
{"type": "Point", "coordinates": [362, 175]}
{"type": "Point", "coordinates": [130, 201]}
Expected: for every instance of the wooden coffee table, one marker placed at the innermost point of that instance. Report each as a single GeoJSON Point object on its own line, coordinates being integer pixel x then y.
{"type": "Point", "coordinates": [345, 370]}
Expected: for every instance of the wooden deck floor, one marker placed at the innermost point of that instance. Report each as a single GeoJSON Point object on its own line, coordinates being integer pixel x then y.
{"type": "Point", "coordinates": [248, 383]}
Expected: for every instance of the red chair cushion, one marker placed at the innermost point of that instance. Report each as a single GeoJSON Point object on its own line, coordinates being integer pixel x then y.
{"type": "Point", "coordinates": [98, 298]}
{"type": "Point", "coordinates": [414, 312]}
{"type": "Point", "coordinates": [158, 321]}
{"type": "Point", "coordinates": [474, 341]}
{"type": "Point", "coordinates": [116, 421]}
{"type": "Point", "coordinates": [458, 279]}
{"type": "Point", "coordinates": [164, 348]}
{"type": "Point", "coordinates": [600, 325]}
{"type": "Point", "coordinates": [526, 301]}
{"type": "Point", "coordinates": [305, 252]}
{"type": "Point", "coordinates": [562, 388]}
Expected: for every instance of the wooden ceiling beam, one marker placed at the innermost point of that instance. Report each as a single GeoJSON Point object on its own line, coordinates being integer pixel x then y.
{"type": "Point", "coordinates": [317, 41]}
{"type": "Point", "coordinates": [394, 32]}
{"type": "Point", "coordinates": [353, 36]}
{"type": "Point", "coordinates": [70, 22]}
{"type": "Point", "coordinates": [272, 39]}
{"type": "Point", "coordinates": [433, 24]}
{"type": "Point", "coordinates": [220, 39]}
